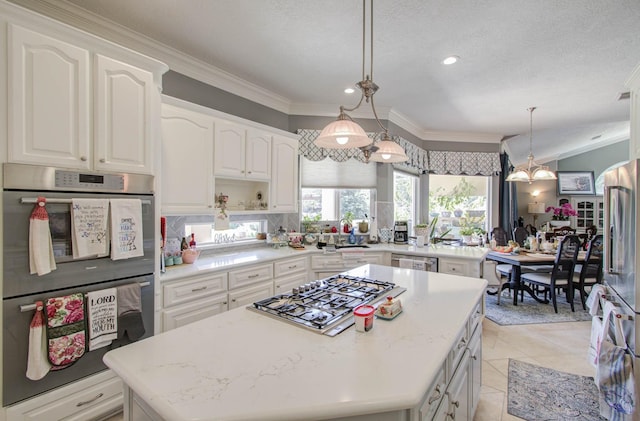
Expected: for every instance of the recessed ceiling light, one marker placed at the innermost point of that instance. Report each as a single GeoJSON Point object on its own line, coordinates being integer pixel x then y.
{"type": "Point", "coordinates": [450, 60]}
{"type": "Point", "coordinates": [349, 91]}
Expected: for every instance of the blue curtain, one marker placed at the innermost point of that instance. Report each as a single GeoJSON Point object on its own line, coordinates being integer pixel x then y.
{"type": "Point", "coordinates": [508, 209]}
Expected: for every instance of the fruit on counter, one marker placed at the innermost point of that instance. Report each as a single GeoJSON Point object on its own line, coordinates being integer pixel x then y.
{"type": "Point", "coordinates": [504, 249]}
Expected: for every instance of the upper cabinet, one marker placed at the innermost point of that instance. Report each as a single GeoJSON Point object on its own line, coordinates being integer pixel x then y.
{"type": "Point", "coordinates": [284, 185]}
{"type": "Point", "coordinates": [187, 162]}
{"type": "Point", "coordinates": [590, 211]}
{"type": "Point", "coordinates": [242, 152]}
{"type": "Point", "coordinates": [73, 107]}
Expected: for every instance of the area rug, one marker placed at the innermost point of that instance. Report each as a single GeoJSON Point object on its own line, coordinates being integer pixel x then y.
{"type": "Point", "coordinates": [530, 311]}
{"type": "Point", "coordinates": [539, 393]}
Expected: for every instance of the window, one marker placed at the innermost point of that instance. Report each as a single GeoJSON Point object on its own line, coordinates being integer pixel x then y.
{"type": "Point", "coordinates": [460, 203]}
{"type": "Point", "coordinates": [332, 204]}
{"type": "Point", "coordinates": [405, 196]}
{"type": "Point", "coordinates": [239, 231]}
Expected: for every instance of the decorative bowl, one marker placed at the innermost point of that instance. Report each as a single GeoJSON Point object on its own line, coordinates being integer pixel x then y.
{"type": "Point", "coordinates": [189, 256]}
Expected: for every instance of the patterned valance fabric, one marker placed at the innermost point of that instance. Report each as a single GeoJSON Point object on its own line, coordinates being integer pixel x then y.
{"type": "Point", "coordinates": [420, 160]}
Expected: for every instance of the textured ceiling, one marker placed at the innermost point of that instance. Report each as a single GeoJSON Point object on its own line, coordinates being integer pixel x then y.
{"type": "Point", "coordinates": [569, 58]}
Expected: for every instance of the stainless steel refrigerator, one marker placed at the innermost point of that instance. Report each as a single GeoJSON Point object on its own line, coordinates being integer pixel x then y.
{"type": "Point", "coordinates": [622, 251]}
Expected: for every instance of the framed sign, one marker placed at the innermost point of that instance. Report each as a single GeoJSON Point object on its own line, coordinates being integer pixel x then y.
{"type": "Point", "coordinates": [576, 183]}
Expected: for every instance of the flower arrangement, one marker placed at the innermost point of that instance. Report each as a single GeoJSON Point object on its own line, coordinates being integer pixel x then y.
{"type": "Point", "coordinates": [561, 213]}
{"type": "Point", "coordinates": [222, 204]}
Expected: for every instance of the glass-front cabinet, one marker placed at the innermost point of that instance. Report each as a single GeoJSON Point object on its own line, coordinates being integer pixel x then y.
{"type": "Point", "coordinates": [590, 212]}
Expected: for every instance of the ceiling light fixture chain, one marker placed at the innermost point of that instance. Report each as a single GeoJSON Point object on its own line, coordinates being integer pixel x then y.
{"type": "Point", "coordinates": [531, 172]}
{"type": "Point", "coordinates": [344, 133]}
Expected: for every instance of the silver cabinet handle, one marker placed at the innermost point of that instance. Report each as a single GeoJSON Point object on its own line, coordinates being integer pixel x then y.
{"type": "Point", "coordinates": [253, 276]}
{"type": "Point", "coordinates": [293, 267]}
{"type": "Point", "coordinates": [462, 343]}
{"type": "Point", "coordinates": [233, 300]}
{"type": "Point", "coordinates": [83, 158]}
{"type": "Point", "coordinates": [198, 289]}
{"type": "Point", "coordinates": [102, 160]}
{"type": "Point", "coordinates": [437, 395]}
{"type": "Point", "coordinates": [98, 396]}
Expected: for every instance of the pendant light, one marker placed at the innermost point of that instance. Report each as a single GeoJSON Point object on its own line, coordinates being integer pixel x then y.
{"type": "Point", "coordinates": [531, 172]}
{"type": "Point", "coordinates": [344, 133]}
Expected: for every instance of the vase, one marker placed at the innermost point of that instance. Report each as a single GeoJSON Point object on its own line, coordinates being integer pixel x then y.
{"type": "Point", "coordinates": [559, 223]}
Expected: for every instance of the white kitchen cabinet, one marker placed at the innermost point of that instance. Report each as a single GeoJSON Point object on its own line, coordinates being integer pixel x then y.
{"type": "Point", "coordinates": [192, 299]}
{"type": "Point", "coordinates": [284, 183]}
{"type": "Point", "coordinates": [72, 107]}
{"type": "Point", "coordinates": [247, 295]}
{"type": "Point", "coordinates": [193, 311]}
{"type": "Point", "coordinates": [462, 267]}
{"type": "Point", "coordinates": [250, 275]}
{"type": "Point", "coordinates": [326, 265]}
{"type": "Point", "coordinates": [475, 369]}
{"type": "Point", "coordinates": [187, 162]}
{"type": "Point", "coordinates": [126, 101]}
{"type": "Point", "coordinates": [49, 100]}
{"type": "Point", "coordinates": [590, 211]}
{"type": "Point", "coordinates": [289, 274]}
{"type": "Point", "coordinates": [90, 398]}
{"type": "Point", "coordinates": [241, 152]}
{"type": "Point", "coordinates": [458, 392]}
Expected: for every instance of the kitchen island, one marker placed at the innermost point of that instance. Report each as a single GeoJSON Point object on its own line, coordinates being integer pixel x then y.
{"type": "Point", "coordinates": [242, 365]}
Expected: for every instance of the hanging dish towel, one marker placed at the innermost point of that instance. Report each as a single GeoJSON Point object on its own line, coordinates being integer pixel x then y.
{"type": "Point", "coordinates": [89, 229]}
{"type": "Point", "coordinates": [41, 260]}
{"type": "Point", "coordinates": [65, 330]}
{"type": "Point", "coordinates": [102, 315]}
{"type": "Point", "coordinates": [37, 363]}
{"type": "Point", "coordinates": [593, 300]}
{"type": "Point", "coordinates": [130, 321]}
{"type": "Point", "coordinates": [126, 228]}
{"type": "Point", "coordinates": [614, 375]}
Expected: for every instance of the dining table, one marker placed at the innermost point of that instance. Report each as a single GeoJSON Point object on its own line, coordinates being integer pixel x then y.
{"type": "Point", "coordinates": [525, 258]}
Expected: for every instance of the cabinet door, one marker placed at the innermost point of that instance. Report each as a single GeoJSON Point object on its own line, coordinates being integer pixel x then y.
{"type": "Point", "coordinates": [284, 183]}
{"type": "Point", "coordinates": [124, 117]}
{"type": "Point", "coordinates": [258, 155]}
{"type": "Point", "coordinates": [458, 392]}
{"type": "Point", "coordinates": [49, 101]}
{"type": "Point", "coordinates": [191, 312]}
{"type": "Point", "coordinates": [475, 370]}
{"type": "Point", "coordinates": [229, 149]}
{"type": "Point", "coordinates": [248, 295]}
{"type": "Point", "coordinates": [250, 275]}
{"type": "Point", "coordinates": [187, 162]}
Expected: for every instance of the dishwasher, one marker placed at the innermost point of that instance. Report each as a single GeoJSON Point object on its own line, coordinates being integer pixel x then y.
{"type": "Point", "coordinates": [429, 264]}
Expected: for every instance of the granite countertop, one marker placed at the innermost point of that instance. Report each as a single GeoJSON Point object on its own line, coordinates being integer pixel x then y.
{"type": "Point", "coordinates": [245, 365]}
{"type": "Point", "coordinates": [209, 261]}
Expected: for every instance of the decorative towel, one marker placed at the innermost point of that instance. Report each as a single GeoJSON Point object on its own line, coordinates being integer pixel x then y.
{"type": "Point", "coordinates": [593, 300]}
{"type": "Point", "coordinates": [37, 363]}
{"type": "Point", "coordinates": [126, 228]}
{"type": "Point", "coordinates": [89, 230]}
{"type": "Point", "coordinates": [102, 311]}
{"type": "Point", "coordinates": [130, 321]}
{"type": "Point", "coordinates": [65, 330]}
{"type": "Point", "coordinates": [41, 260]}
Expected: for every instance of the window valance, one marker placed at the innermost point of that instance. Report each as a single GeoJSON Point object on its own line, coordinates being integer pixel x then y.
{"type": "Point", "coordinates": [420, 160]}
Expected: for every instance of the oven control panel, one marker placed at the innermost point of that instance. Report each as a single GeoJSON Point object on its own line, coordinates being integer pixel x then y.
{"type": "Point", "coordinates": [74, 179]}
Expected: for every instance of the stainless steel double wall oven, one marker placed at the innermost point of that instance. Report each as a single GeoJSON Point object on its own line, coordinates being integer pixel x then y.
{"type": "Point", "coordinates": [22, 185]}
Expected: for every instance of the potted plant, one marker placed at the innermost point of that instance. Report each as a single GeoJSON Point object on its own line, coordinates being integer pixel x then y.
{"type": "Point", "coordinates": [310, 224]}
{"type": "Point", "coordinates": [560, 214]}
{"type": "Point", "coordinates": [348, 222]}
{"type": "Point", "coordinates": [421, 229]}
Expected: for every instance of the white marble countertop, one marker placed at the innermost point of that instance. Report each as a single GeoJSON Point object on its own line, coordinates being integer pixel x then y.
{"type": "Point", "coordinates": [245, 365]}
{"type": "Point", "coordinates": [209, 261]}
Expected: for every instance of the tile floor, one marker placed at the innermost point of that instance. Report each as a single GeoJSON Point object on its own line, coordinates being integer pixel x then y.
{"type": "Point", "coordinates": [561, 346]}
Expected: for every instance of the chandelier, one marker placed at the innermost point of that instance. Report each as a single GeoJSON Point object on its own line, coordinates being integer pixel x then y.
{"type": "Point", "coordinates": [344, 133]}
{"type": "Point", "coordinates": [531, 172]}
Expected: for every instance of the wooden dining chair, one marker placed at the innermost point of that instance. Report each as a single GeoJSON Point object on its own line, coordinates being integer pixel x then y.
{"type": "Point", "coordinates": [520, 235]}
{"type": "Point", "coordinates": [500, 235]}
{"type": "Point", "coordinates": [562, 273]}
{"type": "Point", "coordinates": [531, 229]}
{"type": "Point", "coordinates": [562, 231]}
{"type": "Point", "coordinates": [494, 278]}
{"type": "Point", "coordinates": [589, 273]}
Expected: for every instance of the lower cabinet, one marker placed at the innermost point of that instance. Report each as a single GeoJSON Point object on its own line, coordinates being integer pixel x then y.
{"type": "Point", "coordinates": [250, 294]}
{"type": "Point", "coordinates": [94, 397]}
{"type": "Point", "coordinates": [193, 311]}
{"type": "Point", "coordinates": [462, 267]}
{"type": "Point", "coordinates": [326, 265]}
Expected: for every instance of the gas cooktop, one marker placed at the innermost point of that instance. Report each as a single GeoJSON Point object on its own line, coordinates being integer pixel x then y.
{"type": "Point", "coordinates": [326, 306]}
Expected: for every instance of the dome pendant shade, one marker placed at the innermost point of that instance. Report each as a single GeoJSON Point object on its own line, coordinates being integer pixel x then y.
{"type": "Point", "coordinates": [342, 134]}
{"type": "Point", "coordinates": [388, 151]}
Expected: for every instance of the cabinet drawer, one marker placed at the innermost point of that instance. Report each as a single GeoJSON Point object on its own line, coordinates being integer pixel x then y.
{"type": "Point", "coordinates": [193, 288]}
{"type": "Point", "coordinates": [250, 294]}
{"type": "Point", "coordinates": [476, 317]}
{"type": "Point", "coordinates": [453, 267]}
{"type": "Point", "coordinates": [251, 275]}
{"type": "Point", "coordinates": [193, 311]}
{"type": "Point", "coordinates": [91, 402]}
{"type": "Point", "coordinates": [461, 344]}
{"type": "Point", "coordinates": [289, 266]}
{"type": "Point", "coordinates": [434, 396]}
{"type": "Point", "coordinates": [322, 262]}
